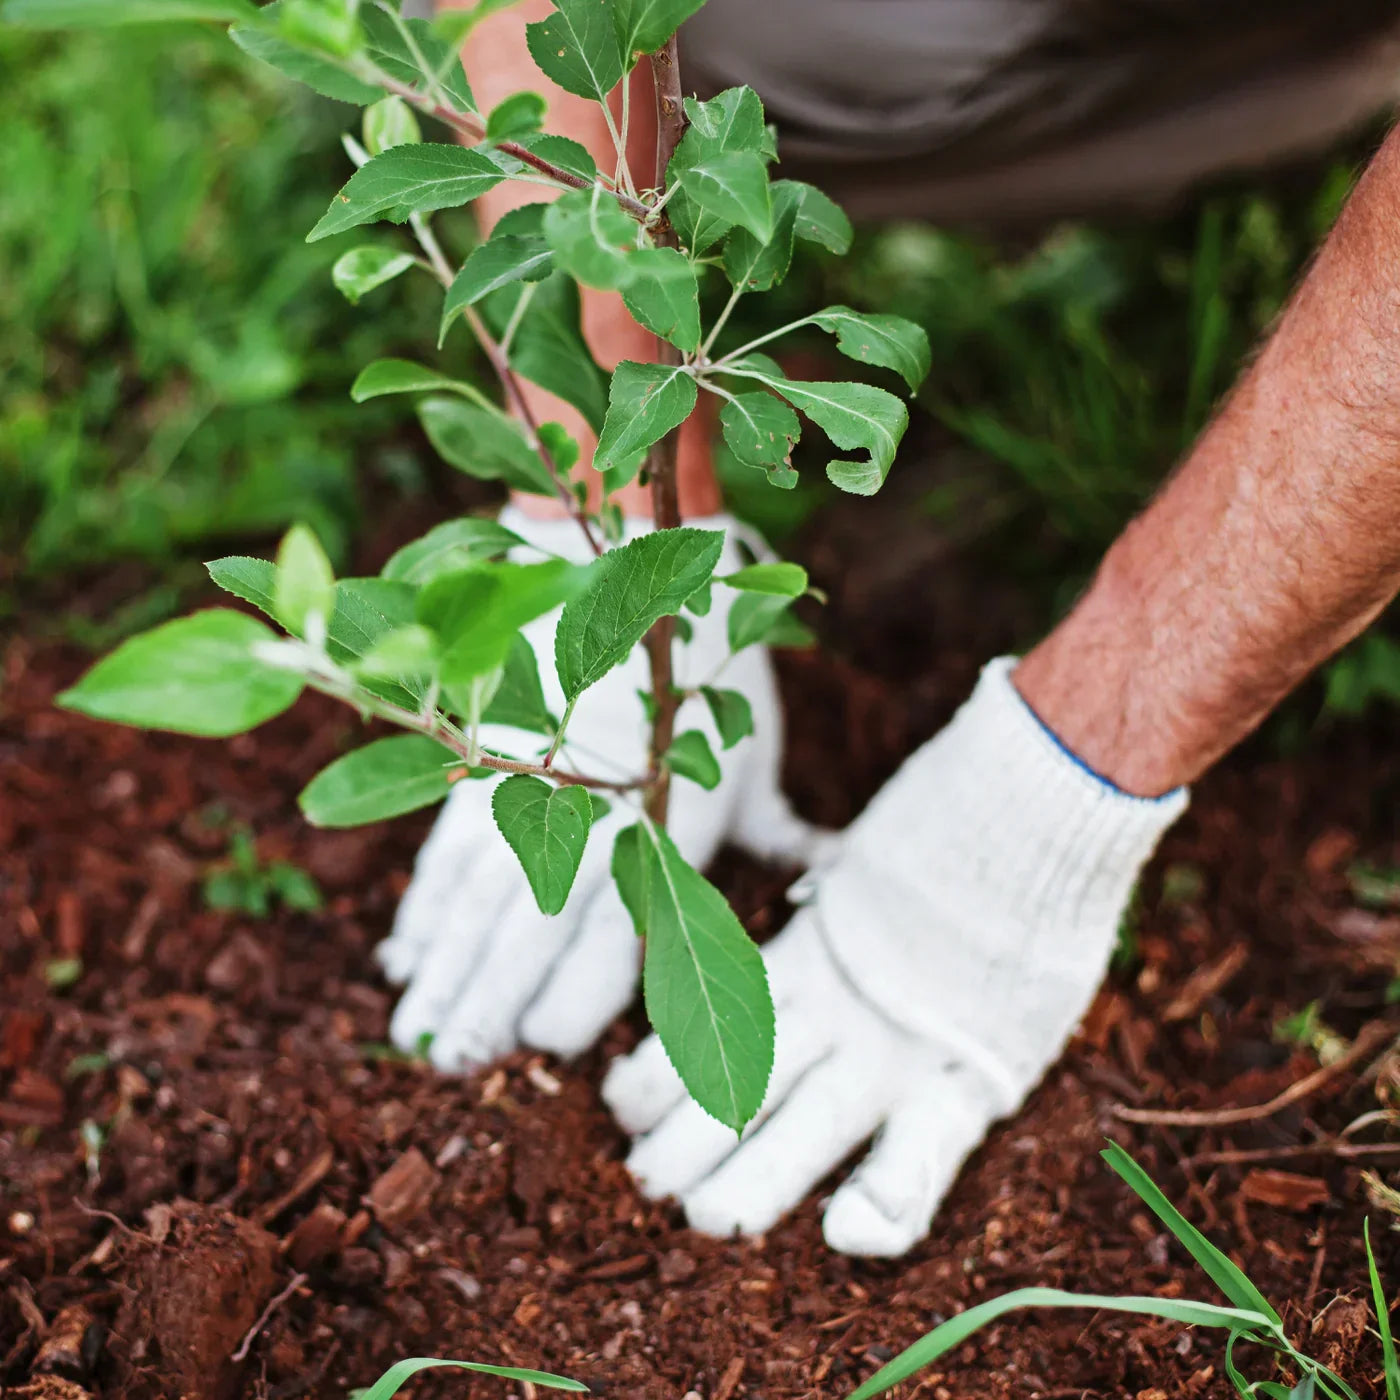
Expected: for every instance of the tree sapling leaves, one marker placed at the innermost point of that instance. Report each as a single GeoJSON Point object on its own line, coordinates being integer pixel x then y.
{"type": "Point", "coordinates": [381, 377]}
{"type": "Point", "coordinates": [628, 590]}
{"type": "Point", "coordinates": [484, 443]}
{"type": "Point", "coordinates": [84, 14]}
{"type": "Point", "coordinates": [764, 617]}
{"type": "Point", "coordinates": [631, 857]}
{"type": "Point", "coordinates": [888, 341]}
{"type": "Point", "coordinates": [690, 756]}
{"type": "Point", "coordinates": [706, 989]}
{"type": "Point", "coordinates": [409, 652]}
{"type": "Point", "coordinates": [253, 580]}
{"type": "Point", "coordinates": [439, 76]}
{"type": "Point", "coordinates": [547, 828]}
{"type": "Point", "coordinates": [756, 265]}
{"type": "Point", "coordinates": [389, 122]}
{"type": "Point", "coordinates": [305, 585]}
{"type": "Point", "coordinates": [476, 612]}
{"type": "Point", "coordinates": [780, 579]}
{"type": "Point", "coordinates": [578, 47]}
{"type": "Point", "coordinates": [643, 26]}
{"type": "Point", "coordinates": [518, 115]}
{"type": "Point", "coordinates": [501, 260]}
{"type": "Point", "coordinates": [729, 188]}
{"type": "Point", "coordinates": [193, 675]}
{"type": "Point", "coordinates": [819, 218]}
{"type": "Point", "coordinates": [383, 779]}
{"type": "Point", "coordinates": [560, 151]}
{"type": "Point", "coordinates": [729, 123]}
{"type": "Point", "coordinates": [263, 41]}
{"type": "Point", "coordinates": [664, 295]}
{"type": "Point", "coordinates": [519, 699]}
{"type": "Point", "coordinates": [409, 179]}
{"type": "Point", "coordinates": [645, 402]}
{"type": "Point", "coordinates": [548, 347]}
{"type": "Point", "coordinates": [363, 269]}
{"type": "Point", "coordinates": [761, 430]}
{"type": "Point", "coordinates": [732, 713]}
{"type": "Point", "coordinates": [592, 238]}
{"type": "Point", "coordinates": [852, 415]}
{"type": "Point", "coordinates": [454, 544]}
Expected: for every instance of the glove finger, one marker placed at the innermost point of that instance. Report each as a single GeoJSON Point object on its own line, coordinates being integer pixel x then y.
{"type": "Point", "coordinates": [888, 1203]}
{"type": "Point", "coordinates": [437, 891]}
{"type": "Point", "coordinates": [828, 1113]}
{"type": "Point", "coordinates": [640, 1089]}
{"type": "Point", "coordinates": [591, 983]}
{"type": "Point", "coordinates": [687, 1145]}
{"type": "Point", "coordinates": [519, 953]}
{"type": "Point", "coordinates": [457, 944]}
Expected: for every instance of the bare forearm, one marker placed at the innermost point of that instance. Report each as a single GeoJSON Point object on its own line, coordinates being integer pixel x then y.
{"type": "Point", "coordinates": [1276, 542]}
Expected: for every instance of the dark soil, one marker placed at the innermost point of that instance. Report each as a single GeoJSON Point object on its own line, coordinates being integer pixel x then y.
{"type": "Point", "coordinates": [196, 1107]}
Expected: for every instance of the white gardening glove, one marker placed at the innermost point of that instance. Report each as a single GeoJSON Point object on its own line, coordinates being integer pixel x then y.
{"type": "Point", "coordinates": [948, 952]}
{"type": "Point", "coordinates": [486, 971]}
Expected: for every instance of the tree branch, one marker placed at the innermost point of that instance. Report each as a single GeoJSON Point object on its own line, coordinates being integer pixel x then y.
{"type": "Point", "coordinates": [661, 462]}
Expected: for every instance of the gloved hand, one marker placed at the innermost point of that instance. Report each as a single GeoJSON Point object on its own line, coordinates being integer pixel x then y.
{"type": "Point", "coordinates": [947, 954]}
{"type": "Point", "coordinates": [486, 970]}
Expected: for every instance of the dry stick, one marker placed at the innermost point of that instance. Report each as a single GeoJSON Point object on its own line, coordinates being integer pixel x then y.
{"type": "Point", "coordinates": [1367, 1041]}
{"type": "Point", "coordinates": [661, 462]}
{"type": "Point", "coordinates": [252, 1334]}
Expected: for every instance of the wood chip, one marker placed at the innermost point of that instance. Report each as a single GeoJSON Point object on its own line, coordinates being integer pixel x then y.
{"type": "Point", "coordinates": [66, 1349]}
{"type": "Point", "coordinates": [311, 1176]}
{"type": "Point", "coordinates": [730, 1379]}
{"type": "Point", "coordinates": [403, 1191]}
{"type": "Point", "coordinates": [316, 1237]}
{"type": "Point", "coordinates": [1205, 983]}
{"type": "Point", "coordinates": [1284, 1190]}
{"type": "Point", "coordinates": [620, 1268]}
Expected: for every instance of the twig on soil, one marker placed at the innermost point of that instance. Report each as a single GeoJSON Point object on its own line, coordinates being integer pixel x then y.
{"type": "Point", "coordinates": [1369, 1039]}
{"type": "Point", "coordinates": [266, 1316]}
{"type": "Point", "coordinates": [1330, 1147]}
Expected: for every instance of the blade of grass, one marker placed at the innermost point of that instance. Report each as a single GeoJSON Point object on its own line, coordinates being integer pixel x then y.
{"type": "Point", "coordinates": [403, 1371]}
{"type": "Point", "coordinates": [1224, 1272]}
{"type": "Point", "coordinates": [957, 1329]}
{"type": "Point", "coordinates": [1392, 1366]}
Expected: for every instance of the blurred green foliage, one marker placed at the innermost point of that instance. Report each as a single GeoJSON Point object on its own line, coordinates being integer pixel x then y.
{"type": "Point", "coordinates": [174, 361]}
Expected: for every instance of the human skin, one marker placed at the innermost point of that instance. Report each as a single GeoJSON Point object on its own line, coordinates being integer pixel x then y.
{"type": "Point", "coordinates": [1273, 544]}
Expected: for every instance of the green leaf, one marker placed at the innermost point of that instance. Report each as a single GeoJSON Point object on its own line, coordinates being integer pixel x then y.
{"type": "Point", "coordinates": [321, 74]}
{"type": "Point", "coordinates": [484, 443]}
{"type": "Point", "coordinates": [664, 295]}
{"type": "Point", "coordinates": [519, 115]}
{"type": "Point", "coordinates": [852, 415]}
{"type": "Point", "coordinates": [1224, 1272]}
{"type": "Point", "coordinates": [453, 26]}
{"type": "Point", "coordinates": [407, 652]}
{"type": "Point", "coordinates": [628, 590]}
{"type": "Point", "coordinates": [548, 348]}
{"type": "Point", "coordinates": [547, 828]}
{"type": "Point", "coordinates": [393, 1380]}
{"type": "Point", "coordinates": [958, 1329]}
{"type": "Point", "coordinates": [643, 26]}
{"type": "Point", "coordinates": [363, 269]}
{"type": "Point", "coordinates": [253, 580]}
{"type": "Point", "coordinates": [409, 179]}
{"type": "Point", "coordinates": [593, 240]}
{"type": "Point", "coordinates": [888, 341]}
{"type": "Point", "coordinates": [754, 618]}
{"type": "Point", "coordinates": [757, 265]}
{"type": "Point", "coordinates": [577, 47]}
{"type": "Point", "coordinates": [391, 50]}
{"type": "Point", "coordinates": [645, 402]}
{"type": "Point", "coordinates": [1382, 1304]}
{"type": "Point", "coordinates": [761, 430]}
{"type": "Point", "coordinates": [731, 122]}
{"type": "Point", "coordinates": [731, 188]}
{"type": "Point", "coordinates": [476, 612]}
{"type": "Point", "coordinates": [382, 377]}
{"type": "Point", "coordinates": [561, 151]}
{"type": "Point", "coordinates": [305, 581]}
{"type": "Point", "coordinates": [388, 123]}
{"type": "Point", "coordinates": [630, 867]}
{"type": "Point", "coordinates": [819, 219]}
{"type": "Point", "coordinates": [365, 611]}
{"type": "Point", "coordinates": [699, 601]}
{"type": "Point", "coordinates": [383, 779]}
{"type": "Point", "coordinates": [452, 545]}
{"type": "Point", "coordinates": [783, 580]}
{"type": "Point", "coordinates": [706, 989]}
{"type": "Point", "coordinates": [519, 698]}
{"type": "Point", "coordinates": [193, 675]}
{"type": "Point", "coordinates": [691, 757]}
{"type": "Point", "coordinates": [85, 14]}
{"type": "Point", "coordinates": [733, 715]}
{"type": "Point", "coordinates": [501, 260]}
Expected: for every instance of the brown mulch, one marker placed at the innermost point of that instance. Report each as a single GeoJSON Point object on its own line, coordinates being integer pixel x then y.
{"type": "Point", "coordinates": [207, 1112]}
